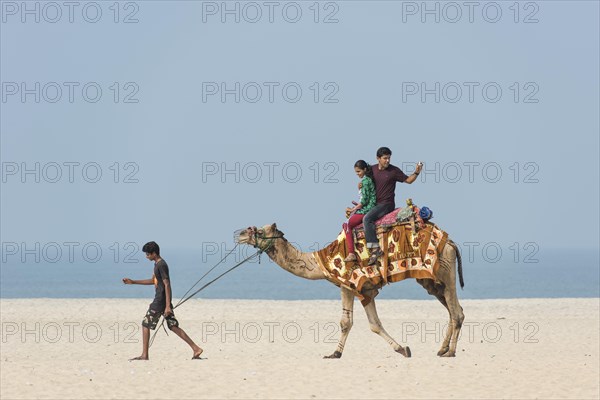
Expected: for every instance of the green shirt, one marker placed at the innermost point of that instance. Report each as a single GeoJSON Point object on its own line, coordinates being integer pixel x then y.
{"type": "Point", "coordinates": [367, 196]}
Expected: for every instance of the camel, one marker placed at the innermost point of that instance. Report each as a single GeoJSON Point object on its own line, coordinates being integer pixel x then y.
{"type": "Point", "coordinates": [272, 241]}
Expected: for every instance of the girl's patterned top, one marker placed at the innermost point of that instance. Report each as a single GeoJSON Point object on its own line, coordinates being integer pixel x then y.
{"type": "Point", "coordinates": [367, 196]}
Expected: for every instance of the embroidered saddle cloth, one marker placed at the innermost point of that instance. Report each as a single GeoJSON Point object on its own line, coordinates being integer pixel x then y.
{"type": "Point", "coordinates": [383, 224]}
{"type": "Point", "coordinates": [410, 251]}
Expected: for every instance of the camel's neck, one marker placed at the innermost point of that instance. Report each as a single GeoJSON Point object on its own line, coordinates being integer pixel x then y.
{"type": "Point", "coordinates": [293, 260]}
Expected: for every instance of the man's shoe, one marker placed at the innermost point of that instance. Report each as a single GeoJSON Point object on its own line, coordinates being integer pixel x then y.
{"type": "Point", "coordinates": [376, 252]}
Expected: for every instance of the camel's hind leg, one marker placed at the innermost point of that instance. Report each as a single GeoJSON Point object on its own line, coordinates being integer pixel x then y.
{"type": "Point", "coordinates": [456, 319]}
{"type": "Point", "coordinates": [345, 323]}
{"type": "Point", "coordinates": [446, 274]}
{"type": "Point", "coordinates": [377, 327]}
{"type": "Point", "coordinates": [429, 285]}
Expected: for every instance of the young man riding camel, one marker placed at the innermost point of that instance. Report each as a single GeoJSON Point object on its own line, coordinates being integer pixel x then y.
{"type": "Point", "coordinates": [385, 176]}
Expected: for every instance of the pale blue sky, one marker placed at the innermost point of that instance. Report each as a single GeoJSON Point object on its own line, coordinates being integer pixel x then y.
{"type": "Point", "coordinates": [369, 53]}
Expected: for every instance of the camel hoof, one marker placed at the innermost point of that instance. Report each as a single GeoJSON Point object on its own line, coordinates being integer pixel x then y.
{"type": "Point", "coordinates": [404, 351]}
{"type": "Point", "coordinates": [443, 351]}
{"type": "Point", "coordinates": [448, 354]}
{"type": "Point", "coordinates": [336, 354]}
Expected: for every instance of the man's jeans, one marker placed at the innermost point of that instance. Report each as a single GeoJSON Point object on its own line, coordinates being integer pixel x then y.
{"type": "Point", "coordinates": [369, 222]}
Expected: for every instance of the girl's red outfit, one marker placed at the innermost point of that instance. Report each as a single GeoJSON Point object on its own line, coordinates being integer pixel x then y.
{"type": "Point", "coordinates": [353, 222]}
{"type": "Point", "coordinates": [367, 201]}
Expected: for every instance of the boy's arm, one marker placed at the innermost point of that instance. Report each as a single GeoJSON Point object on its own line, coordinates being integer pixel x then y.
{"type": "Point", "coordinates": [168, 309]}
{"type": "Point", "coordinates": [128, 281]}
{"type": "Point", "coordinates": [413, 177]}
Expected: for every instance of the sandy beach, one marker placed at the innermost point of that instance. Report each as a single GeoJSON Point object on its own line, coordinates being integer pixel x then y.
{"type": "Point", "coordinates": [517, 348]}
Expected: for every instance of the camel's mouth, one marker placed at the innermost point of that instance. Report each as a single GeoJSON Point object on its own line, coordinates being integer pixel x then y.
{"type": "Point", "coordinates": [244, 236]}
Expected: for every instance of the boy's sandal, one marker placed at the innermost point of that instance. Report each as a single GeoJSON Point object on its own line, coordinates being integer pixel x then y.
{"type": "Point", "coordinates": [375, 255]}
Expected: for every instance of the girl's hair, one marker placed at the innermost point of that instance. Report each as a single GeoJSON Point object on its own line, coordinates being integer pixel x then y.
{"type": "Point", "coordinates": [362, 164]}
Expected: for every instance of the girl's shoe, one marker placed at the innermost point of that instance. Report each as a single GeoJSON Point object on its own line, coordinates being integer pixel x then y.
{"type": "Point", "coordinates": [350, 257]}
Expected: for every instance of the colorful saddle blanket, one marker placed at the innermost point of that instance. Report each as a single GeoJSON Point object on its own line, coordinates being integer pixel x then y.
{"type": "Point", "coordinates": [385, 221]}
{"type": "Point", "coordinates": [382, 224]}
{"type": "Point", "coordinates": [410, 251]}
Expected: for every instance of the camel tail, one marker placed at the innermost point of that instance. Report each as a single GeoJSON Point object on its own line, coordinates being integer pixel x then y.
{"type": "Point", "coordinates": [459, 259]}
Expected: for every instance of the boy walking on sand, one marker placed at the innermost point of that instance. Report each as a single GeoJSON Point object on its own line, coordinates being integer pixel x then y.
{"type": "Point", "coordinates": [162, 302]}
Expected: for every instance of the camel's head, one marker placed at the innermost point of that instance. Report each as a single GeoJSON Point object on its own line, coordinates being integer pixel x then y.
{"type": "Point", "coordinates": [262, 238]}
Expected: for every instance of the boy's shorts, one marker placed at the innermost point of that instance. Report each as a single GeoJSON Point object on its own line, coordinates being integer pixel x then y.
{"type": "Point", "coordinates": [152, 316]}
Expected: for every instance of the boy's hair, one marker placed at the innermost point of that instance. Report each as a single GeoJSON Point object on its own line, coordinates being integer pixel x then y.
{"type": "Point", "coordinates": [383, 151]}
{"type": "Point", "coordinates": [151, 247]}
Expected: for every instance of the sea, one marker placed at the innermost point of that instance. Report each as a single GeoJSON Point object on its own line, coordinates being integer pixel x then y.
{"type": "Point", "coordinates": [552, 274]}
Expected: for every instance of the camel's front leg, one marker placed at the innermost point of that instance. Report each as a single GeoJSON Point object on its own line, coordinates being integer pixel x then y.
{"type": "Point", "coordinates": [345, 323]}
{"type": "Point", "coordinates": [377, 327]}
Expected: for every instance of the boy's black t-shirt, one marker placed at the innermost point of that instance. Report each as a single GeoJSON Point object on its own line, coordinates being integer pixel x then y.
{"type": "Point", "coordinates": [385, 183]}
{"type": "Point", "coordinates": [161, 271]}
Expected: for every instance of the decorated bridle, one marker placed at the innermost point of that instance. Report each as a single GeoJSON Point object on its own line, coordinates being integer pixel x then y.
{"type": "Point", "coordinates": [254, 232]}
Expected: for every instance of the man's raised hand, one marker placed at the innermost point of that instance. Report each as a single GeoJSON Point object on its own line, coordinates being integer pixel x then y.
{"type": "Point", "coordinates": [419, 167]}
